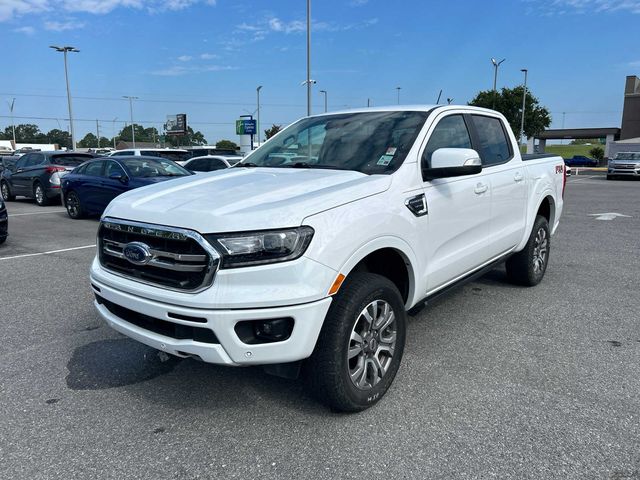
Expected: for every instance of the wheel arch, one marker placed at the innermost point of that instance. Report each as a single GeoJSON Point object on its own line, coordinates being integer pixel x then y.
{"type": "Point", "coordinates": [390, 257]}
{"type": "Point", "coordinates": [545, 206]}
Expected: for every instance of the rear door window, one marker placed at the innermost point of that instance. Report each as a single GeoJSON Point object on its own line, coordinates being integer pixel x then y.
{"type": "Point", "coordinates": [69, 160]}
{"type": "Point", "coordinates": [114, 168]}
{"type": "Point", "coordinates": [494, 147]}
{"type": "Point", "coordinates": [215, 164]}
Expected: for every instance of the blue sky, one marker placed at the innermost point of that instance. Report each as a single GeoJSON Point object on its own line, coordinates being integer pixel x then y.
{"type": "Point", "coordinates": [206, 57]}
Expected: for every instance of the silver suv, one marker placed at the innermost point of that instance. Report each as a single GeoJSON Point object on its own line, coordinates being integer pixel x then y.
{"type": "Point", "coordinates": [624, 164]}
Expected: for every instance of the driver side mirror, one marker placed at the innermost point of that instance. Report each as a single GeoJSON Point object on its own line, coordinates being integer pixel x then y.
{"type": "Point", "coordinates": [453, 162]}
{"type": "Point", "coordinates": [119, 176]}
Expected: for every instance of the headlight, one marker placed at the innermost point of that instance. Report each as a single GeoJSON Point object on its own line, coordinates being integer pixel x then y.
{"type": "Point", "coordinates": [258, 248]}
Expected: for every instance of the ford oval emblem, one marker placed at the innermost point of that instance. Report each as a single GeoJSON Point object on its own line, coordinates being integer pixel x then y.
{"type": "Point", "coordinates": [137, 253]}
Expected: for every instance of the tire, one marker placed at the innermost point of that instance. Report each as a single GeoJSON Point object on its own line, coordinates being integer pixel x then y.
{"type": "Point", "coordinates": [74, 206]}
{"type": "Point", "coordinates": [40, 195]}
{"type": "Point", "coordinates": [610, 177]}
{"type": "Point", "coordinates": [2, 240]}
{"type": "Point", "coordinates": [329, 369]}
{"type": "Point", "coordinates": [528, 266]}
{"type": "Point", "coordinates": [6, 192]}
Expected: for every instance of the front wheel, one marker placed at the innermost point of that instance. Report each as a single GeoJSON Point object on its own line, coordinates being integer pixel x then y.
{"type": "Point", "coordinates": [360, 345]}
{"type": "Point", "coordinates": [6, 193]}
{"type": "Point", "coordinates": [74, 207]}
{"type": "Point", "coordinates": [527, 267]}
{"type": "Point", "coordinates": [40, 195]}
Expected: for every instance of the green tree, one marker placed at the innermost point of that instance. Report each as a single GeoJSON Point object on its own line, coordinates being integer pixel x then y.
{"type": "Point", "coordinates": [25, 133]}
{"type": "Point", "coordinates": [597, 153]}
{"type": "Point", "coordinates": [61, 137]}
{"type": "Point", "coordinates": [191, 138]}
{"type": "Point", "coordinates": [105, 142]}
{"type": "Point", "coordinates": [509, 102]}
{"type": "Point", "coordinates": [88, 141]}
{"type": "Point", "coordinates": [227, 144]}
{"type": "Point", "coordinates": [270, 132]}
{"type": "Point", "coordinates": [142, 134]}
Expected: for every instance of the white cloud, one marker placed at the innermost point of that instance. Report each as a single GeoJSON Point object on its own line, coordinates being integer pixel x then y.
{"type": "Point", "coordinates": [560, 7]}
{"type": "Point", "coordinates": [62, 26]}
{"type": "Point", "coordinates": [16, 8]}
{"type": "Point", "coordinates": [208, 56]}
{"type": "Point", "coordinates": [26, 30]}
{"type": "Point", "coordinates": [178, 70]}
{"type": "Point", "coordinates": [358, 3]}
{"type": "Point", "coordinates": [185, 58]}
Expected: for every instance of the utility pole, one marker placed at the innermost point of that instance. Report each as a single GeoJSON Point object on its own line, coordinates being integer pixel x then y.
{"type": "Point", "coordinates": [324, 92]}
{"type": "Point", "coordinates": [133, 132]}
{"type": "Point", "coordinates": [496, 64]}
{"type": "Point", "coordinates": [98, 132]}
{"type": "Point", "coordinates": [308, 58]}
{"type": "Point", "coordinates": [524, 102]}
{"type": "Point", "coordinates": [258, 122]}
{"type": "Point", "coordinates": [368, 102]}
{"type": "Point", "coordinates": [398, 89]}
{"type": "Point", "coordinates": [64, 50]}
{"type": "Point", "coordinates": [13, 125]}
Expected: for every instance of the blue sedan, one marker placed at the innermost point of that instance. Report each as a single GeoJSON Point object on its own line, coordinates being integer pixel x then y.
{"type": "Point", "coordinates": [88, 189]}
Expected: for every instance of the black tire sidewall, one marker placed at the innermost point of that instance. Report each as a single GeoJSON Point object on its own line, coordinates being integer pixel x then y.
{"type": "Point", "coordinates": [35, 196]}
{"type": "Point", "coordinates": [4, 185]}
{"type": "Point", "coordinates": [78, 207]}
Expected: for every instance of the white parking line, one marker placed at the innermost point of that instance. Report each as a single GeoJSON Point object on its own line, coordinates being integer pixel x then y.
{"type": "Point", "coordinates": [47, 253]}
{"type": "Point", "coordinates": [35, 213]}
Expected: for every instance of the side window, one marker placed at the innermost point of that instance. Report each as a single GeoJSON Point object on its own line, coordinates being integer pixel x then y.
{"type": "Point", "coordinates": [23, 161]}
{"type": "Point", "coordinates": [121, 154]}
{"type": "Point", "coordinates": [38, 159]}
{"type": "Point", "coordinates": [215, 164]}
{"type": "Point", "coordinates": [196, 165]}
{"type": "Point", "coordinates": [94, 169]}
{"type": "Point", "coordinates": [450, 132]}
{"type": "Point", "coordinates": [114, 168]}
{"type": "Point", "coordinates": [494, 145]}
{"type": "Point", "coordinates": [80, 170]}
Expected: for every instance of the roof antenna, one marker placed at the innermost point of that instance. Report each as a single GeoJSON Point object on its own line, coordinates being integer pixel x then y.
{"type": "Point", "coordinates": [439, 95]}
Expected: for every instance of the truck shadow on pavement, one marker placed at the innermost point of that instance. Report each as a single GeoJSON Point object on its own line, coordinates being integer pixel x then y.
{"type": "Point", "coordinates": [179, 383]}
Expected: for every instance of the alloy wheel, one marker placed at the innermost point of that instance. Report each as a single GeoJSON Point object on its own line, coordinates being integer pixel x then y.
{"type": "Point", "coordinates": [540, 249]}
{"type": "Point", "coordinates": [372, 345]}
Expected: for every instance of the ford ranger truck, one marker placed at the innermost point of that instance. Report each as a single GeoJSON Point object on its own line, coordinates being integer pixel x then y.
{"type": "Point", "coordinates": [310, 251]}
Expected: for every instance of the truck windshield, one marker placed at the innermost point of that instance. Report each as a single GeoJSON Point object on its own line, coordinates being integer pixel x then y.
{"type": "Point", "coordinates": [367, 142]}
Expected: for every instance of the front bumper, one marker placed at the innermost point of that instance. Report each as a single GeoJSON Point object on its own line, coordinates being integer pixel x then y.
{"type": "Point", "coordinates": [308, 320]}
{"type": "Point", "coordinates": [623, 171]}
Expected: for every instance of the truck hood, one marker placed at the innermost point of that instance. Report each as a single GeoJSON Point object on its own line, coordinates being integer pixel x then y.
{"type": "Point", "coordinates": [241, 199]}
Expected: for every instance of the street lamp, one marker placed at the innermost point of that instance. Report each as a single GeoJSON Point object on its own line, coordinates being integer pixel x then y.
{"type": "Point", "coordinates": [324, 92]}
{"type": "Point", "coordinates": [258, 127]}
{"type": "Point", "coordinates": [524, 102]}
{"type": "Point", "coordinates": [309, 58]}
{"type": "Point", "coordinates": [133, 132]}
{"type": "Point", "coordinates": [13, 125]}
{"type": "Point", "coordinates": [64, 50]}
{"type": "Point", "coordinates": [496, 64]}
{"type": "Point", "coordinates": [398, 89]}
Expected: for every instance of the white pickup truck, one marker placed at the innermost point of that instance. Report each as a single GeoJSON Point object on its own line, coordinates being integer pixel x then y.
{"type": "Point", "coordinates": [310, 252]}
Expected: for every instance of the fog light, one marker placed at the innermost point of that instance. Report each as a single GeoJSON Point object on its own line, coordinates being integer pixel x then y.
{"type": "Point", "coordinates": [264, 331]}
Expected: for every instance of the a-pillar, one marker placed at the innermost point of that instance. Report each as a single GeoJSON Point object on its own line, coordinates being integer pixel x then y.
{"type": "Point", "coordinates": [607, 145]}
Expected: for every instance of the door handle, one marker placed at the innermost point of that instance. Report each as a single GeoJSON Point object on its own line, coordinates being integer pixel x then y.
{"type": "Point", "coordinates": [481, 188]}
{"type": "Point", "coordinates": [518, 177]}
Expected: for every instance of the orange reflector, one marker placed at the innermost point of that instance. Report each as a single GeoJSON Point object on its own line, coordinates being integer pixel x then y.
{"type": "Point", "coordinates": [336, 285]}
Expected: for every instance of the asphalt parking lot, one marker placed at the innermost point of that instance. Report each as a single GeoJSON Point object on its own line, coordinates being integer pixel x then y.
{"type": "Point", "coordinates": [496, 381]}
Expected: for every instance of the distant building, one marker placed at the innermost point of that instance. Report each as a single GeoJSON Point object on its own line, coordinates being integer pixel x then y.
{"type": "Point", "coordinates": [631, 109]}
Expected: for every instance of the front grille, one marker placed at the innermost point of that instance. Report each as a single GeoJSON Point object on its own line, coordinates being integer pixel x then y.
{"type": "Point", "coordinates": [161, 327]}
{"type": "Point", "coordinates": [175, 258]}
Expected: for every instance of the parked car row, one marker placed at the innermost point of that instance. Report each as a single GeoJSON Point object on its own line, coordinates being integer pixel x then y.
{"type": "Point", "coordinates": [581, 161]}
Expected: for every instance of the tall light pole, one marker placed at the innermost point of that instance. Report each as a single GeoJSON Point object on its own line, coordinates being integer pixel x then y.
{"type": "Point", "coordinates": [13, 125]}
{"type": "Point", "coordinates": [258, 127]}
{"type": "Point", "coordinates": [324, 92]}
{"type": "Point", "coordinates": [308, 58]}
{"type": "Point", "coordinates": [524, 102]}
{"type": "Point", "coordinates": [64, 50]}
{"type": "Point", "coordinates": [496, 64]}
{"type": "Point", "coordinates": [133, 131]}
{"type": "Point", "coordinates": [398, 89]}
{"type": "Point", "coordinates": [113, 128]}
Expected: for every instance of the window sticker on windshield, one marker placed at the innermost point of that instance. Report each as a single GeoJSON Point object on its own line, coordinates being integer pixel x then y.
{"type": "Point", "coordinates": [391, 151]}
{"type": "Point", "coordinates": [385, 160]}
